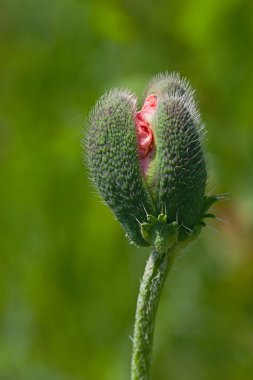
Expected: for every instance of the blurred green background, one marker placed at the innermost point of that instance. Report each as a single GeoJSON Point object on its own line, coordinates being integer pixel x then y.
{"type": "Point", "coordinates": [68, 278]}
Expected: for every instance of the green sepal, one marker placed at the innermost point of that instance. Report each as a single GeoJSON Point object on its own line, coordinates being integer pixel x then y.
{"type": "Point", "coordinates": [177, 175]}
{"type": "Point", "coordinates": [111, 152]}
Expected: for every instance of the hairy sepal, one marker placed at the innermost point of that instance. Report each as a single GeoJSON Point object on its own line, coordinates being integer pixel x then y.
{"type": "Point", "coordinates": [177, 176]}
{"type": "Point", "coordinates": [112, 157]}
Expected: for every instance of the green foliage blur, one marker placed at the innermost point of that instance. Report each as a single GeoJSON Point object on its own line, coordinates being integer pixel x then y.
{"type": "Point", "coordinates": [68, 277]}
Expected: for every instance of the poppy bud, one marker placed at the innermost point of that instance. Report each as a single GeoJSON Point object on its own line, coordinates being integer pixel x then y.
{"type": "Point", "coordinates": [149, 166]}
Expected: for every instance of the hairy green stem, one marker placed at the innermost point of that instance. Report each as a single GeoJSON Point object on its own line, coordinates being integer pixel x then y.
{"type": "Point", "coordinates": [152, 282]}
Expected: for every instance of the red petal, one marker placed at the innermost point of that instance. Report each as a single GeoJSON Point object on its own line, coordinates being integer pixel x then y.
{"type": "Point", "coordinates": [145, 135]}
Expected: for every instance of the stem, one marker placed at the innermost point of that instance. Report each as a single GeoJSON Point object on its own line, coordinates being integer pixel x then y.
{"type": "Point", "coordinates": [157, 267]}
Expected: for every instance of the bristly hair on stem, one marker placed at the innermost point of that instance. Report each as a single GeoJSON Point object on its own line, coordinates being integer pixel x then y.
{"type": "Point", "coordinates": [157, 268]}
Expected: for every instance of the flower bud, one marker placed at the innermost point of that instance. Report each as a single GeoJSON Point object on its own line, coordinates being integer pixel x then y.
{"type": "Point", "coordinates": [149, 166]}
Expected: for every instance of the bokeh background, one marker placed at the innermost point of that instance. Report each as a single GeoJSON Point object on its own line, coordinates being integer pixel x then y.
{"type": "Point", "coordinates": [68, 278]}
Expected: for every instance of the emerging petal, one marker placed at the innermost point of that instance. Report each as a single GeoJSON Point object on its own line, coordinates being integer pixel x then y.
{"type": "Point", "coordinates": [145, 136]}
